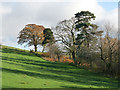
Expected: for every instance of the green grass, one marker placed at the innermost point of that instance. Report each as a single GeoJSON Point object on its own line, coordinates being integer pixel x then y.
{"type": "Point", "coordinates": [21, 69]}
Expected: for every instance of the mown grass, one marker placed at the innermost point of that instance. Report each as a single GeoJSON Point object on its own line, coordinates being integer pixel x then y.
{"type": "Point", "coordinates": [21, 69]}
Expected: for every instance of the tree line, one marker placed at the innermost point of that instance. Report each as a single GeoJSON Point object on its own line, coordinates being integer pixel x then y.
{"type": "Point", "coordinates": [79, 38]}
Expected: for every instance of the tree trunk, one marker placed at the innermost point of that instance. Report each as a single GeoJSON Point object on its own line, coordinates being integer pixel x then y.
{"type": "Point", "coordinates": [69, 55]}
{"type": "Point", "coordinates": [74, 49]}
{"type": "Point", "coordinates": [58, 58]}
{"type": "Point", "coordinates": [108, 68]}
{"type": "Point", "coordinates": [43, 48]}
{"type": "Point", "coordinates": [35, 46]}
{"type": "Point", "coordinates": [74, 57]}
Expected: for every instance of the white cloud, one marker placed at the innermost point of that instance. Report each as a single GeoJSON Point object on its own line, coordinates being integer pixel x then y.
{"type": "Point", "coordinates": [17, 15]}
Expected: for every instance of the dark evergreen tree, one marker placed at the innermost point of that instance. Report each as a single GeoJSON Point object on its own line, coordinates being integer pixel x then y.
{"type": "Point", "coordinates": [48, 37]}
{"type": "Point", "coordinates": [87, 29]}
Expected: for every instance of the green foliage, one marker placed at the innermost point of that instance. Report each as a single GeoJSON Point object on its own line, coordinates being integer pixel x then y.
{"type": "Point", "coordinates": [85, 16]}
{"type": "Point", "coordinates": [48, 36]}
{"type": "Point", "coordinates": [26, 70]}
{"type": "Point", "coordinates": [88, 33]}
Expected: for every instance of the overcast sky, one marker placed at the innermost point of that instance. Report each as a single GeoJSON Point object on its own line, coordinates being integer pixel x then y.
{"type": "Point", "coordinates": [15, 15]}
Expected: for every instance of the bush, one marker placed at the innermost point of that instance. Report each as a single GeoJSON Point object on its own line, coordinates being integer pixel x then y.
{"type": "Point", "coordinates": [40, 54]}
{"type": "Point", "coordinates": [46, 54]}
{"type": "Point", "coordinates": [98, 66]}
{"type": "Point", "coordinates": [37, 54]}
{"type": "Point", "coordinates": [115, 69]}
{"type": "Point", "coordinates": [72, 64]}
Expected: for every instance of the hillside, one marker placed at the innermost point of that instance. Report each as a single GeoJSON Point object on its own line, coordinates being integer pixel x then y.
{"type": "Point", "coordinates": [21, 69]}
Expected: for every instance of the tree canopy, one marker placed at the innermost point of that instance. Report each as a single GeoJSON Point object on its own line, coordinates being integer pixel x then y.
{"type": "Point", "coordinates": [31, 34]}
{"type": "Point", "coordinates": [79, 37]}
{"type": "Point", "coordinates": [48, 37]}
{"type": "Point", "coordinates": [87, 29]}
{"type": "Point", "coordinates": [65, 32]}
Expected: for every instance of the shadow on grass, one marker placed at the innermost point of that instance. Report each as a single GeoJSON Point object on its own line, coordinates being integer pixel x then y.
{"type": "Point", "coordinates": [38, 63]}
{"type": "Point", "coordinates": [60, 71]}
{"type": "Point", "coordinates": [78, 76]}
{"type": "Point", "coordinates": [70, 87]}
{"type": "Point", "coordinates": [46, 68]}
{"type": "Point", "coordinates": [16, 51]}
{"type": "Point", "coordinates": [33, 62]}
{"type": "Point", "coordinates": [5, 87]}
{"type": "Point", "coordinates": [81, 81]}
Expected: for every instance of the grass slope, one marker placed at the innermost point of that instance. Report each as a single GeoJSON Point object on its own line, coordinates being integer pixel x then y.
{"type": "Point", "coordinates": [24, 70]}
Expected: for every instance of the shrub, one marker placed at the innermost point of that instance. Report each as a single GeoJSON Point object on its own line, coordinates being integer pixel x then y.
{"type": "Point", "coordinates": [45, 54]}
{"type": "Point", "coordinates": [98, 66]}
{"type": "Point", "coordinates": [115, 69]}
{"type": "Point", "coordinates": [37, 54]}
{"type": "Point", "coordinates": [31, 51]}
{"type": "Point", "coordinates": [72, 64]}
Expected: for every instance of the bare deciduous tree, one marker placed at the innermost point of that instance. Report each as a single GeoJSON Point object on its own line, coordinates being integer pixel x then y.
{"type": "Point", "coordinates": [66, 33]}
{"type": "Point", "coordinates": [108, 48]}
{"type": "Point", "coordinates": [54, 51]}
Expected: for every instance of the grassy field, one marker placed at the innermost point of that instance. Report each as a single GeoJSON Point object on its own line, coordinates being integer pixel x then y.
{"type": "Point", "coordinates": [21, 69]}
